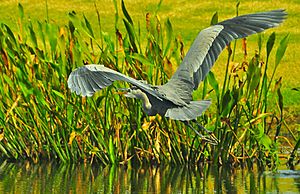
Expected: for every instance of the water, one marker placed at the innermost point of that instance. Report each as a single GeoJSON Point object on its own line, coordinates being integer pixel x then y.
{"type": "Point", "coordinates": [54, 178]}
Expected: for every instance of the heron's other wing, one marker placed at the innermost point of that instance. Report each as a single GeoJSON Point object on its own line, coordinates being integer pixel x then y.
{"type": "Point", "coordinates": [191, 111]}
{"type": "Point", "coordinates": [88, 79]}
{"type": "Point", "coordinates": [211, 41]}
{"type": "Point", "coordinates": [178, 92]}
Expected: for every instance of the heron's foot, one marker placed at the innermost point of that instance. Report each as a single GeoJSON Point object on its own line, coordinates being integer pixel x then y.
{"type": "Point", "coordinates": [211, 139]}
{"type": "Point", "coordinates": [206, 130]}
{"type": "Point", "coordinates": [214, 139]}
{"type": "Point", "coordinates": [210, 133]}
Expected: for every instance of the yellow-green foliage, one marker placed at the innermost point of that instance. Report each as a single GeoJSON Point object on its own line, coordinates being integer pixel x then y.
{"type": "Point", "coordinates": [40, 118]}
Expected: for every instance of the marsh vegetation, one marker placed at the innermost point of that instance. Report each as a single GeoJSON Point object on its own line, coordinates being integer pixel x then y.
{"type": "Point", "coordinates": [41, 119]}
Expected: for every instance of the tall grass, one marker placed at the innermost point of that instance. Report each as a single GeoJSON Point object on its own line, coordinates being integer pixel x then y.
{"type": "Point", "coordinates": [41, 119]}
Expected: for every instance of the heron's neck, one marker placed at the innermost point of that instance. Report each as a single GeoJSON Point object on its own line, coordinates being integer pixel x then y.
{"type": "Point", "coordinates": [146, 103]}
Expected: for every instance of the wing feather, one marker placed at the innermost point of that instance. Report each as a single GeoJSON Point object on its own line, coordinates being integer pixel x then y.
{"type": "Point", "coordinates": [88, 79]}
{"type": "Point", "coordinates": [209, 44]}
{"type": "Point", "coordinates": [189, 112]}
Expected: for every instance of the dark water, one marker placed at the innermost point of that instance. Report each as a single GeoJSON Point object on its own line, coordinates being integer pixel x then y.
{"type": "Point", "coordinates": [53, 178]}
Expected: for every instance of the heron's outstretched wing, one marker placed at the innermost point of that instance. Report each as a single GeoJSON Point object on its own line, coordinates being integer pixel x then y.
{"type": "Point", "coordinates": [209, 44]}
{"type": "Point", "coordinates": [191, 111]}
{"type": "Point", "coordinates": [88, 79]}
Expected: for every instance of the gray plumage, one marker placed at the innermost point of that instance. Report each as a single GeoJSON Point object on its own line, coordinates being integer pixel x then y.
{"type": "Point", "coordinates": [174, 99]}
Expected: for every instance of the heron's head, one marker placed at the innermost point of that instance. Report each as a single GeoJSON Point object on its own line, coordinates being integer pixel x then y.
{"type": "Point", "coordinates": [135, 93]}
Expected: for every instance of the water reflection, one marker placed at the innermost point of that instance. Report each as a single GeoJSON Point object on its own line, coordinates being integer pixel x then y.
{"type": "Point", "coordinates": [83, 178]}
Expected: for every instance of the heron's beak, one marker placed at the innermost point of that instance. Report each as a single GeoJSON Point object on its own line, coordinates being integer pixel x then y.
{"type": "Point", "coordinates": [122, 91]}
{"type": "Point", "coordinates": [125, 92]}
{"type": "Point", "coordinates": [129, 95]}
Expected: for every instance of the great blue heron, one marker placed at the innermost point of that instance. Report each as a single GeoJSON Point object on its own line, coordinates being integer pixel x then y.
{"type": "Point", "coordinates": [174, 99]}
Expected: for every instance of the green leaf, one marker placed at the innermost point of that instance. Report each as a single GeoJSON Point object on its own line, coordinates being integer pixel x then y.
{"type": "Point", "coordinates": [237, 7]}
{"type": "Point", "coordinates": [111, 151]}
{"type": "Point", "coordinates": [281, 49]}
{"type": "Point", "coordinates": [266, 141]}
{"type": "Point", "coordinates": [74, 23]}
{"type": "Point", "coordinates": [259, 131]}
{"type": "Point", "coordinates": [20, 74]}
{"type": "Point", "coordinates": [88, 27]}
{"type": "Point", "coordinates": [99, 100]}
{"type": "Point", "coordinates": [204, 90]}
{"type": "Point", "coordinates": [253, 75]}
{"type": "Point", "coordinates": [226, 103]}
{"type": "Point", "coordinates": [127, 16]}
{"type": "Point", "coordinates": [51, 31]}
{"type": "Point", "coordinates": [70, 114]}
{"type": "Point", "coordinates": [41, 99]}
{"type": "Point", "coordinates": [131, 34]}
{"type": "Point", "coordinates": [116, 14]}
{"type": "Point", "coordinates": [8, 80]}
{"type": "Point", "coordinates": [237, 4]}
{"type": "Point", "coordinates": [32, 36]}
{"type": "Point", "coordinates": [142, 59]}
{"type": "Point", "coordinates": [169, 30]}
{"type": "Point", "coordinates": [158, 6]}
{"type": "Point", "coordinates": [280, 100]}
{"type": "Point", "coordinates": [62, 46]}
{"type": "Point", "coordinates": [213, 82]}
{"type": "Point", "coordinates": [41, 34]}
{"type": "Point", "coordinates": [270, 43]}
{"type": "Point", "coordinates": [259, 42]}
{"type": "Point", "coordinates": [71, 27]}
{"type": "Point", "coordinates": [109, 42]}
{"type": "Point", "coordinates": [26, 91]}
{"type": "Point", "coordinates": [10, 33]}
{"type": "Point", "coordinates": [214, 19]}
{"type": "Point", "coordinates": [296, 148]}
{"type": "Point", "coordinates": [59, 94]}
{"type": "Point", "coordinates": [21, 10]}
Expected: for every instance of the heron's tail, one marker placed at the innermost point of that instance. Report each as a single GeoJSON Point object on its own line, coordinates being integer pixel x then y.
{"type": "Point", "coordinates": [189, 112]}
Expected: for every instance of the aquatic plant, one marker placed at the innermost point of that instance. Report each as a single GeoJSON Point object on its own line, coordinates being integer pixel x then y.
{"type": "Point", "coordinates": [41, 119]}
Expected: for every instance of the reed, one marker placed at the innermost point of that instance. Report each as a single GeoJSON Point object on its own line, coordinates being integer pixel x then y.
{"type": "Point", "coordinates": [41, 119]}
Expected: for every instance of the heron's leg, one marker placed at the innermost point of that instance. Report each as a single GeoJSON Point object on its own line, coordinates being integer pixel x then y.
{"type": "Point", "coordinates": [201, 127]}
{"type": "Point", "coordinates": [212, 141]}
{"type": "Point", "coordinates": [190, 126]}
{"type": "Point", "coordinates": [211, 134]}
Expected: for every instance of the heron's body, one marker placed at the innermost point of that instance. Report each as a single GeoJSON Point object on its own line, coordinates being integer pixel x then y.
{"type": "Point", "coordinates": [174, 99]}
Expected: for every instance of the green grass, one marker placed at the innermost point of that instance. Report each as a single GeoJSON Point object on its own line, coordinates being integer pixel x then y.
{"type": "Point", "coordinates": [40, 118]}
{"type": "Point", "coordinates": [187, 17]}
